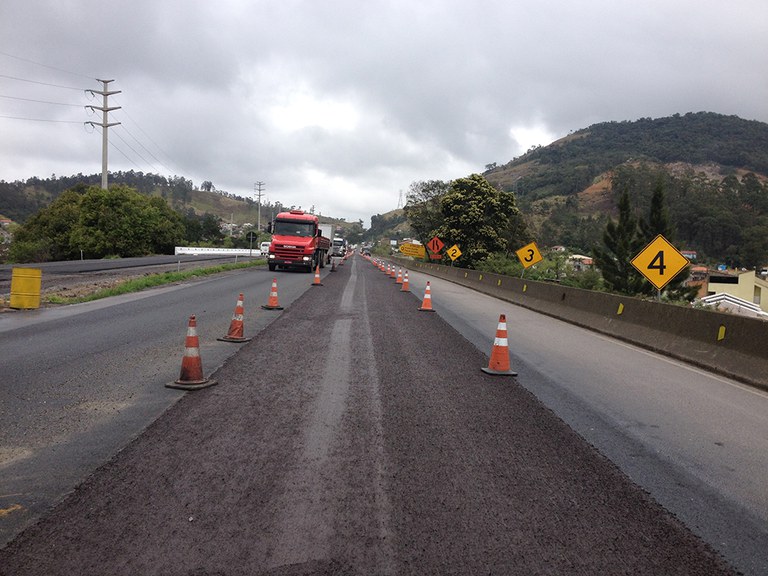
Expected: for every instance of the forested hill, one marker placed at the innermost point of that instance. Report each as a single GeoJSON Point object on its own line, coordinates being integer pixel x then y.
{"type": "Point", "coordinates": [570, 164]}
{"type": "Point", "coordinates": [714, 169]}
{"type": "Point", "coordinates": [20, 199]}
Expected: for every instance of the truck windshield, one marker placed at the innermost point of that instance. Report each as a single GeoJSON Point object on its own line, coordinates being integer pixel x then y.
{"type": "Point", "coordinates": [294, 228]}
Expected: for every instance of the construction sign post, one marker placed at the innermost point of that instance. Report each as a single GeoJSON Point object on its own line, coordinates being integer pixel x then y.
{"type": "Point", "coordinates": [659, 262]}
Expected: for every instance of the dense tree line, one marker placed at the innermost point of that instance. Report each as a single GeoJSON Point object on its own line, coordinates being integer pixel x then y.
{"type": "Point", "coordinates": [21, 199]}
{"type": "Point", "coordinates": [120, 222]}
{"type": "Point", "coordinates": [725, 221]}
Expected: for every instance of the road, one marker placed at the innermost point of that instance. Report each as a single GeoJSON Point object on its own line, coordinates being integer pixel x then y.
{"type": "Point", "coordinates": [80, 381]}
{"type": "Point", "coordinates": [397, 411]}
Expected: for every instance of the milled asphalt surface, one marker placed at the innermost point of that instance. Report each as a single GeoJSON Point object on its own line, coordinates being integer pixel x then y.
{"type": "Point", "coordinates": [358, 436]}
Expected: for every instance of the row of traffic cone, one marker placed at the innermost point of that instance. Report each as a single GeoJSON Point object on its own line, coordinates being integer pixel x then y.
{"type": "Point", "coordinates": [191, 376]}
{"type": "Point", "coordinates": [499, 363]}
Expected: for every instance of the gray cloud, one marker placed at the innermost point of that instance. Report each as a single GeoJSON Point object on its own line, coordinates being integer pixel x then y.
{"type": "Point", "coordinates": [342, 104]}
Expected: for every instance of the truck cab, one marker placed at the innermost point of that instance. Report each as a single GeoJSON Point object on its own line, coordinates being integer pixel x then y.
{"type": "Point", "coordinates": [339, 247]}
{"type": "Point", "coordinates": [297, 242]}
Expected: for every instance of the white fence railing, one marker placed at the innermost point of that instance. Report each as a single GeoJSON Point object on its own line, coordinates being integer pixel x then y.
{"type": "Point", "coordinates": [197, 251]}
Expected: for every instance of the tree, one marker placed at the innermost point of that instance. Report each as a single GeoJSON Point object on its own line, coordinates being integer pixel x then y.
{"type": "Point", "coordinates": [478, 218]}
{"type": "Point", "coordinates": [422, 208]}
{"type": "Point", "coordinates": [118, 222]}
{"type": "Point", "coordinates": [658, 222]}
{"type": "Point", "coordinates": [620, 245]}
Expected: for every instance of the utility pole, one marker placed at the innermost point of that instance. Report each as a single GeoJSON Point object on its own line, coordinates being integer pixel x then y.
{"type": "Point", "coordinates": [105, 109]}
{"type": "Point", "coordinates": [257, 190]}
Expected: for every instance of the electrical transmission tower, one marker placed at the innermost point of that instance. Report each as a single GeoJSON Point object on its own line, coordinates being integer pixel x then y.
{"type": "Point", "coordinates": [105, 110]}
{"type": "Point", "coordinates": [400, 200]}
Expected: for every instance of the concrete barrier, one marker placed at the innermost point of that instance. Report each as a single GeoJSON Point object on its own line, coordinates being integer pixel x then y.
{"type": "Point", "coordinates": [728, 344]}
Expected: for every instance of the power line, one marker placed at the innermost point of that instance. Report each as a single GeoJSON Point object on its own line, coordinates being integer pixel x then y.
{"type": "Point", "coordinates": [46, 65]}
{"type": "Point", "coordinates": [41, 120]}
{"type": "Point", "coordinates": [133, 149]}
{"type": "Point", "coordinates": [42, 83]}
{"type": "Point", "coordinates": [124, 111]}
{"type": "Point", "coordinates": [41, 101]}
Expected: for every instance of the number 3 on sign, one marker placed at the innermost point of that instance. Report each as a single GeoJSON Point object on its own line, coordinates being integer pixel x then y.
{"type": "Point", "coordinates": [529, 255]}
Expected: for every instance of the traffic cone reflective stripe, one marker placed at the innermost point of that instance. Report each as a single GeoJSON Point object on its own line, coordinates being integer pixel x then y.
{"type": "Point", "coordinates": [404, 287]}
{"type": "Point", "coordinates": [499, 362]}
{"type": "Point", "coordinates": [317, 282]}
{"type": "Point", "coordinates": [236, 329]}
{"type": "Point", "coordinates": [272, 303]}
{"type": "Point", "coordinates": [426, 304]}
{"type": "Point", "coordinates": [191, 375]}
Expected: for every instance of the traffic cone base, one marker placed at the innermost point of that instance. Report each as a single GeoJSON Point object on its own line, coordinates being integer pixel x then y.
{"type": "Point", "coordinates": [272, 303]}
{"type": "Point", "coordinates": [235, 339]}
{"type": "Point", "coordinates": [191, 385]}
{"type": "Point", "coordinates": [498, 364]}
{"type": "Point", "coordinates": [191, 376]}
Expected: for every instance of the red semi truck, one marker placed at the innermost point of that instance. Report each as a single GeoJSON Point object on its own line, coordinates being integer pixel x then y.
{"type": "Point", "coordinates": [298, 241]}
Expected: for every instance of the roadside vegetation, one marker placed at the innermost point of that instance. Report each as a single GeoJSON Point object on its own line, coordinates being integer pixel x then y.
{"type": "Point", "coordinates": [131, 285]}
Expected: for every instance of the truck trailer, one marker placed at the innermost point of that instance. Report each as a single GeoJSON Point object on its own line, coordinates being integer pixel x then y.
{"type": "Point", "coordinates": [298, 241]}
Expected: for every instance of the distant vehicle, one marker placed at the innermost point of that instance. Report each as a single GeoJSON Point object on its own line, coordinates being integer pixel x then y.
{"type": "Point", "coordinates": [264, 247]}
{"type": "Point", "coordinates": [339, 247]}
{"type": "Point", "coordinates": [298, 241]}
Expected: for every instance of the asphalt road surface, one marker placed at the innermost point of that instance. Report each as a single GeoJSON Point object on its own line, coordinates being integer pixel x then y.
{"type": "Point", "coordinates": [358, 435]}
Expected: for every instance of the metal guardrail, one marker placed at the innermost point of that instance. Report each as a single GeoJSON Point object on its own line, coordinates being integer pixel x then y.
{"type": "Point", "coordinates": [195, 250]}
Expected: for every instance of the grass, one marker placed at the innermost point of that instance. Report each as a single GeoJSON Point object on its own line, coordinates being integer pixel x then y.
{"type": "Point", "coordinates": [150, 281]}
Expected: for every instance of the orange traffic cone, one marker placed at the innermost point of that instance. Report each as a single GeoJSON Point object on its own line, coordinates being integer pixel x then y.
{"type": "Point", "coordinates": [426, 305]}
{"type": "Point", "coordinates": [399, 276]}
{"type": "Point", "coordinates": [191, 376]}
{"type": "Point", "coordinates": [235, 333]}
{"type": "Point", "coordinates": [272, 303]}
{"type": "Point", "coordinates": [499, 362]}
{"type": "Point", "coordinates": [317, 282]}
{"type": "Point", "coordinates": [404, 287]}
{"type": "Point", "coordinates": [392, 273]}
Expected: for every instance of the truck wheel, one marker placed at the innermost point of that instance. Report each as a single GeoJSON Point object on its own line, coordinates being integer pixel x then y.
{"type": "Point", "coordinates": [271, 267]}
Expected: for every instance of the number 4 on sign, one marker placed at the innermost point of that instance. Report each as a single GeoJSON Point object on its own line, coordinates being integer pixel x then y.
{"type": "Point", "coordinates": [659, 262]}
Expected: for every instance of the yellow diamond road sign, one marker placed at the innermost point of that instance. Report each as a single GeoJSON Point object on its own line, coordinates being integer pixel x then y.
{"type": "Point", "coordinates": [453, 252]}
{"type": "Point", "coordinates": [529, 255]}
{"type": "Point", "coordinates": [659, 262]}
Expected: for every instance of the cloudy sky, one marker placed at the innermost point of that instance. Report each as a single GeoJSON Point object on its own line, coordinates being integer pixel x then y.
{"type": "Point", "coordinates": [342, 104]}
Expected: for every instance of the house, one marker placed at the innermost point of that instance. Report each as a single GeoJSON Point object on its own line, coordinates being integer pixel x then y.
{"type": "Point", "coordinates": [747, 286]}
{"type": "Point", "coordinates": [580, 262]}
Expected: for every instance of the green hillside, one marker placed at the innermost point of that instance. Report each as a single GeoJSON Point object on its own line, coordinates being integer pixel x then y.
{"type": "Point", "coordinates": [714, 169]}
